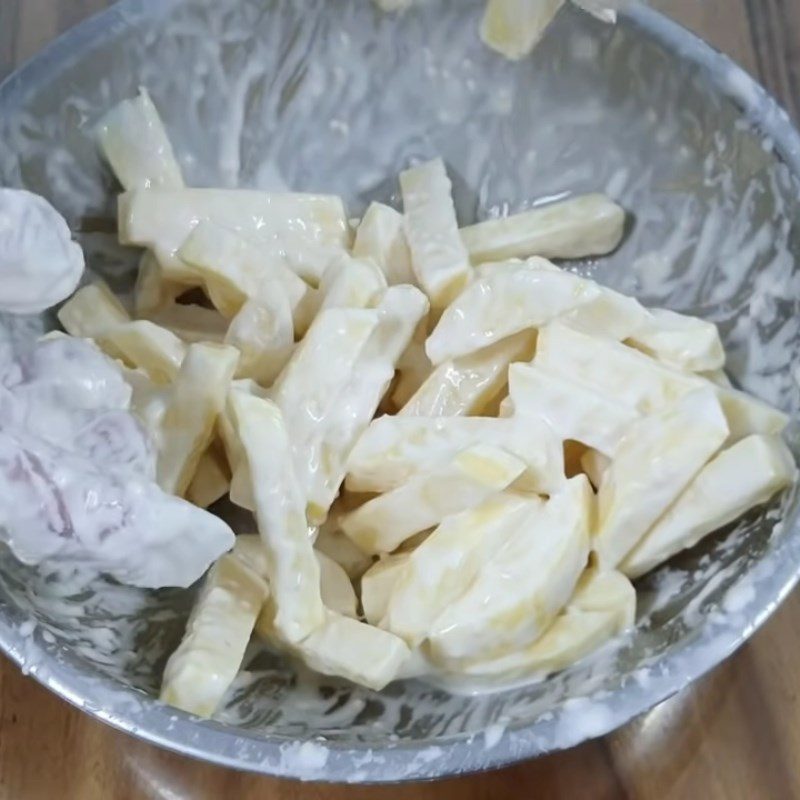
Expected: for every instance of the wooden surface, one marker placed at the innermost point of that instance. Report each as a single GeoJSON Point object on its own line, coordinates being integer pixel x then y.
{"type": "Point", "coordinates": [736, 734]}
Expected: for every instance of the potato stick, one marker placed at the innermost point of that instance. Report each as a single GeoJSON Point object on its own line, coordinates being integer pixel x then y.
{"type": "Point", "coordinates": [441, 569]}
{"type": "Point", "coordinates": [399, 312]}
{"type": "Point", "coordinates": [523, 586]}
{"type": "Point", "coordinates": [145, 345]}
{"type": "Point", "coordinates": [211, 480]}
{"type": "Point", "coordinates": [682, 342]}
{"type": "Point", "coordinates": [465, 386]}
{"type": "Point", "coordinates": [377, 584]}
{"type": "Point", "coordinates": [312, 381]}
{"type": "Point", "coordinates": [587, 225]}
{"type": "Point", "coordinates": [91, 311]}
{"type": "Point", "coordinates": [413, 368]}
{"type": "Point", "coordinates": [514, 27]}
{"type": "Point", "coordinates": [438, 256]}
{"type": "Point", "coordinates": [335, 544]}
{"type": "Point", "coordinates": [571, 409]}
{"type": "Point", "coordinates": [393, 449]}
{"type": "Point", "coordinates": [263, 334]}
{"type": "Point", "coordinates": [298, 229]}
{"type": "Point", "coordinates": [346, 283]}
{"type": "Point", "coordinates": [738, 479]}
{"type": "Point", "coordinates": [384, 523]}
{"type": "Point", "coordinates": [250, 549]}
{"type": "Point", "coordinates": [512, 297]}
{"type": "Point", "coordinates": [603, 605]}
{"type": "Point", "coordinates": [235, 269]}
{"type": "Point", "coordinates": [654, 462]}
{"type": "Point", "coordinates": [134, 141]}
{"type": "Point", "coordinates": [337, 592]}
{"type": "Point", "coordinates": [644, 384]}
{"type": "Point", "coordinates": [195, 401]}
{"type": "Point", "coordinates": [241, 493]}
{"type": "Point", "coordinates": [350, 649]}
{"type": "Point", "coordinates": [381, 237]}
{"type": "Point", "coordinates": [210, 655]}
{"type": "Point", "coordinates": [609, 314]}
{"type": "Point", "coordinates": [350, 283]}
{"type": "Point", "coordinates": [294, 576]}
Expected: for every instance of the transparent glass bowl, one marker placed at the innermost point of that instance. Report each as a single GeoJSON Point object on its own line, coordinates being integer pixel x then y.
{"type": "Point", "coordinates": [325, 96]}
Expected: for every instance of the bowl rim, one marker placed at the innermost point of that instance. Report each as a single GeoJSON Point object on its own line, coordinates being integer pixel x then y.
{"type": "Point", "coordinates": [143, 716]}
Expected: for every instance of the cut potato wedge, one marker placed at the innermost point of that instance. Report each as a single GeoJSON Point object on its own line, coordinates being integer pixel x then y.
{"type": "Point", "coordinates": [210, 655]}
{"type": "Point", "coordinates": [211, 480]}
{"type": "Point", "coordinates": [336, 590]}
{"type": "Point", "coordinates": [580, 226]}
{"type": "Point", "coordinates": [442, 568]}
{"type": "Point", "coordinates": [315, 377]}
{"type": "Point", "coordinates": [438, 256]}
{"type": "Point", "coordinates": [679, 341]}
{"type": "Point", "coordinates": [241, 489]}
{"type": "Point", "coordinates": [250, 549]}
{"type": "Point", "coordinates": [347, 648]}
{"type": "Point", "coordinates": [294, 576]}
{"type": "Point", "coordinates": [744, 476]}
{"type": "Point", "coordinates": [392, 450]}
{"type": "Point", "coordinates": [654, 462]}
{"type": "Point", "coordinates": [195, 401]}
{"type": "Point", "coordinates": [413, 367]}
{"type": "Point", "coordinates": [91, 311]}
{"type": "Point", "coordinates": [471, 477]}
{"type": "Point", "coordinates": [509, 298]}
{"type": "Point", "coordinates": [133, 139]}
{"type": "Point", "coordinates": [234, 269]}
{"type": "Point", "coordinates": [339, 548]}
{"type": "Point", "coordinates": [351, 283]}
{"type": "Point", "coordinates": [399, 312]}
{"type": "Point", "coordinates": [144, 345]}
{"type": "Point", "coordinates": [523, 586]}
{"type": "Point", "coordinates": [300, 230]}
{"type": "Point", "coordinates": [263, 333]}
{"type": "Point", "coordinates": [572, 410]}
{"type": "Point", "coordinates": [381, 237]}
{"type": "Point", "coordinates": [466, 386]}
{"type": "Point", "coordinates": [622, 373]}
{"type": "Point", "coordinates": [377, 585]}
{"type": "Point", "coordinates": [603, 606]}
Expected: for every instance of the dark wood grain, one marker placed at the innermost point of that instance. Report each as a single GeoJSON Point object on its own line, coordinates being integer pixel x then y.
{"type": "Point", "coordinates": [775, 25]}
{"type": "Point", "coordinates": [735, 734]}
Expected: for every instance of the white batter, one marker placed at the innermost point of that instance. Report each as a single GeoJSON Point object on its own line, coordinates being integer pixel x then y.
{"type": "Point", "coordinates": [40, 265]}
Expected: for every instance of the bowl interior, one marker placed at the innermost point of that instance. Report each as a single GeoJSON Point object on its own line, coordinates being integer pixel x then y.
{"type": "Point", "coordinates": [335, 97]}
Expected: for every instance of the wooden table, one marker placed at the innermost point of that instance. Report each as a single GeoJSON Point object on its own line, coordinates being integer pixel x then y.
{"type": "Point", "coordinates": [736, 734]}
